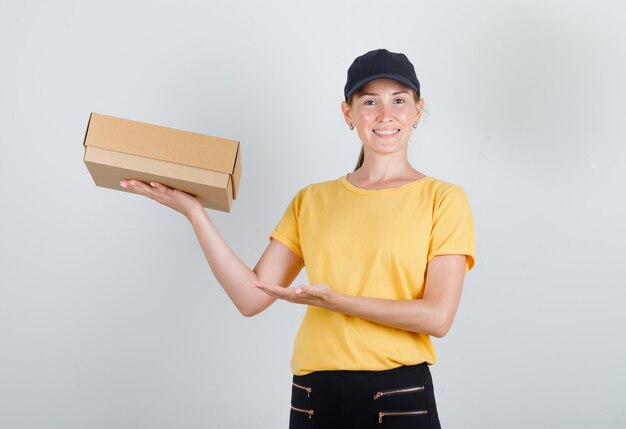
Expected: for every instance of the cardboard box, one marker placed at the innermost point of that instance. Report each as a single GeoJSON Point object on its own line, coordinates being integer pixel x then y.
{"type": "Point", "coordinates": [204, 166]}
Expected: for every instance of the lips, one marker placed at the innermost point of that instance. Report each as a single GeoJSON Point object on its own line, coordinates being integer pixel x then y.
{"type": "Point", "coordinates": [386, 133]}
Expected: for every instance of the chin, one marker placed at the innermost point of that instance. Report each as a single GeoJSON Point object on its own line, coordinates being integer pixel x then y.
{"type": "Point", "coordinates": [386, 149]}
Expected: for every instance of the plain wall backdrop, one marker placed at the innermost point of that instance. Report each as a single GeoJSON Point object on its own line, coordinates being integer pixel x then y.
{"type": "Point", "coordinates": [110, 316]}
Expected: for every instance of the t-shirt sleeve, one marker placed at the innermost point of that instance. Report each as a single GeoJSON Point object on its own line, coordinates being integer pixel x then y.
{"type": "Point", "coordinates": [287, 231]}
{"type": "Point", "coordinates": [452, 230]}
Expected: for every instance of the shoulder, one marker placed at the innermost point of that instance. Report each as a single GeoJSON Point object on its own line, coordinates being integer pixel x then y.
{"type": "Point", "coordinates": [314, 194]}
{"type": "Point", "coordinates": [439, 186]}
{"type": "Point", "coordinates": [318, 188]}
{"type": "Point", "coordinates": [441, 191]}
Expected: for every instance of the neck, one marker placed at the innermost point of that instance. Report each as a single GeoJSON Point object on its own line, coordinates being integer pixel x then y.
{"type": "Point", "coordinates": [378, 168]}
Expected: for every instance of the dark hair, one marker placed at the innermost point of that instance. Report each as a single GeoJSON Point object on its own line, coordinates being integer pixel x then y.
{"type": "Point", "coordinates": [356, 93]}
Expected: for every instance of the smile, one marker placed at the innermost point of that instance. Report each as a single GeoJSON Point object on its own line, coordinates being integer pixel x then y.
{"type": "Point", "coordinates": [386, 133]}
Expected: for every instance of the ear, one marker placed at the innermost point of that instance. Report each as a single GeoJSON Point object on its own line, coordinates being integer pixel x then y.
{"type": "Point", "coordinates": [347, 114]}
{"type": "Point", "coordinates": [420, 109]}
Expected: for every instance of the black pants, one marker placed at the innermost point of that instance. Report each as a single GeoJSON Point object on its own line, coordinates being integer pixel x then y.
{"type": "Point", "coordinates": [398, 398]}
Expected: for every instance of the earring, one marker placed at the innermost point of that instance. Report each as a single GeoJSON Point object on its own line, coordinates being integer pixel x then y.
{"type": "Point", "coordinates": [351, 127]}
{"type": "Point", "coordinates": [415, 124]}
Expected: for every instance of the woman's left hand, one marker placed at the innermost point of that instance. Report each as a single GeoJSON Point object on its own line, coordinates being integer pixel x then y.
{"type": "Point", "coordinates": [319, 294]}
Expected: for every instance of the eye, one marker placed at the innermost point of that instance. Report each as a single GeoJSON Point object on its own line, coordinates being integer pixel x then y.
{"type": "Point", "coordinates": [369, 102]}
{"type": "Point", "coordinates": [399, 101]}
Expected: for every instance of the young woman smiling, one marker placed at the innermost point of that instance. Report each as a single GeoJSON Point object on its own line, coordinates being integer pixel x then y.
{"type": "Point", "coordinates": [385, 247]}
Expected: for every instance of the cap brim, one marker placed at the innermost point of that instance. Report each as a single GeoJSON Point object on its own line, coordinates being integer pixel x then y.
{"type": "Point", "coordinates": [395, 77]}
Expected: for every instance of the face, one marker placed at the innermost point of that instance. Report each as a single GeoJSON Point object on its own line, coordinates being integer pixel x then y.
{"type": "Point", "coordinates": [383, 113]}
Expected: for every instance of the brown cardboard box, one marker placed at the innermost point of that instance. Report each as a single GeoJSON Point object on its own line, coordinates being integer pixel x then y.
{"type": "Point", "coordinates": [205, 166]}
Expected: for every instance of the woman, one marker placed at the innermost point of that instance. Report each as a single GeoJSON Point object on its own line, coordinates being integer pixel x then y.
{"type": "Point", "coordinates": [386, 249]}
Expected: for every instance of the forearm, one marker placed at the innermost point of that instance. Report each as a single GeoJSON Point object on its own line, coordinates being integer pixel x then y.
{"type": "Point", "coordinates": [415, 315]}
{"type": "Point", "coordinates": [432, 314]}
{"type": "Point", "coordinates": [229, 270]}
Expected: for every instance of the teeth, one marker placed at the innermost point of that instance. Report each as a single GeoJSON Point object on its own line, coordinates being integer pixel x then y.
{"type": "Point", "coordinates": [385, 132]}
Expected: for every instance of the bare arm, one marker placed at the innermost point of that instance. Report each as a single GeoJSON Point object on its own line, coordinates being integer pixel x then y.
{"type": "Point", "coordinates": [277, 265]}
{"type": "Point", "coordinates": [433, 314]}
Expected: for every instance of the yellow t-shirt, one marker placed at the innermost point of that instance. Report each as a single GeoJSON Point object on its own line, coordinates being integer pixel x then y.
{"type": "Point", "coordinates": [373, 243]}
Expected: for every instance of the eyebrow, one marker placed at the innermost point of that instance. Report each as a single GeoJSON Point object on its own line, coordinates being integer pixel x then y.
{"type": "Point", "coordinates": [365, 94]}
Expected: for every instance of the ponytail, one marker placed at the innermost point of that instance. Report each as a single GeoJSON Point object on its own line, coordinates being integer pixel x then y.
{"type": "Point", "coordinates": [359, 163]}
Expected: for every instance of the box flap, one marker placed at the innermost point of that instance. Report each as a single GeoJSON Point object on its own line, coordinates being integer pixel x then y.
{"type": "Point", "coordinates": [162, 143]}
{"type": "Point", "coordinates": [236, 174]}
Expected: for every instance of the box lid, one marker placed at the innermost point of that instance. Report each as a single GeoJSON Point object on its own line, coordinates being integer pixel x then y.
{"type": "Point", "coordinates": [163, 143]}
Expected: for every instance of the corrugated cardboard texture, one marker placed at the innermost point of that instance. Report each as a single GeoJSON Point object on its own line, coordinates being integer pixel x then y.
{"type": "Point", "coordinates": [117, 149]}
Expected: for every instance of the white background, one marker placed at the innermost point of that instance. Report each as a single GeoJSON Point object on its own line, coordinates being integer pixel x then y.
{"type": "Point", "coordinates": [111, 318]}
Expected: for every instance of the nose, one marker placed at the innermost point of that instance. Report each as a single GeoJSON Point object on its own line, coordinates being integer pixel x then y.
{"type": "Point", "coordinates": [384, 113]}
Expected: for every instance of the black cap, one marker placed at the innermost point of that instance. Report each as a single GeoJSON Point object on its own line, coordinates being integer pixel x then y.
{"type": "Point", "coordinates": [381, 64]}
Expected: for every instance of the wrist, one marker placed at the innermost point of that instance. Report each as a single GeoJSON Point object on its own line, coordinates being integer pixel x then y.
{"type": "Point", "coordinates": [196, 215]}
{"type": "Point", "coordinates": [333, 301]}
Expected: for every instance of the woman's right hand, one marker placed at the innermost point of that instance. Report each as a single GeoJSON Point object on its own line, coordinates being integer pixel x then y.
{"type": "Point", "coordinates": [176, 199]}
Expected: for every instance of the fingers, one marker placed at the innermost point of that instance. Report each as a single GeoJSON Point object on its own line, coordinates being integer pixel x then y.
{"type": "Point", "coordinates": [174, 198]}
{"type": "Point", "coordinates": [265, 287]}
{"type": "Point", "coordinates": [154, 190]}
{"type": "Point", "coordinates": [160, 187]}
{"type": "Point", "coordinates": [273, 290]}
{"type": "Point", "coordinates": [259, 284]}
{"type": "Point", "coordinates": [302, 294]}
{"type": "Point", "coordinates": [317, 294]}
